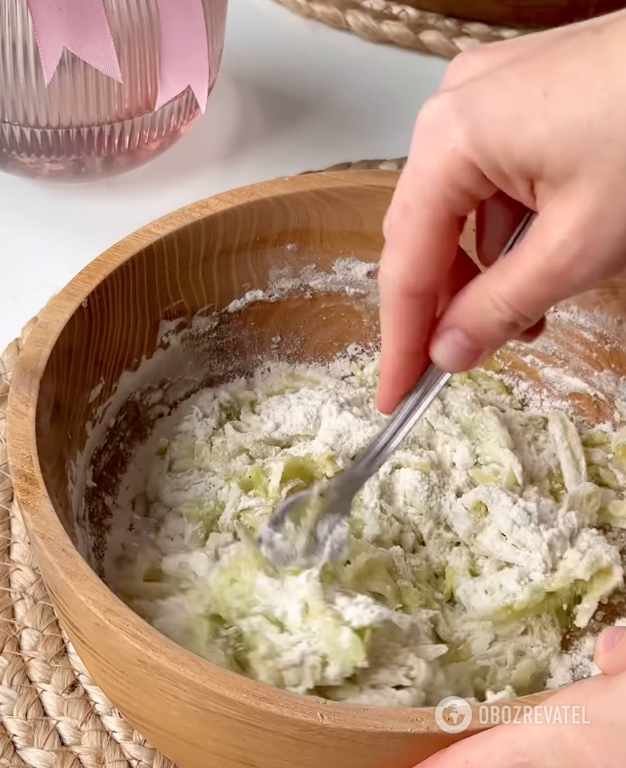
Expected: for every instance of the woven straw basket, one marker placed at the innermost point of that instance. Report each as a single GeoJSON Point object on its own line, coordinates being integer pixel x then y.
{"type": "Point", "coordinates": [446, 27]}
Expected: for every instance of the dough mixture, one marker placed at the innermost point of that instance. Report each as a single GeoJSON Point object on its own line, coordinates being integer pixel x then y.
{"type": "Point", "coordinates": [473, 550]}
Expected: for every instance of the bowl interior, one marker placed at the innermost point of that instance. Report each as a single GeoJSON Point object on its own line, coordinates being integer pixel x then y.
{"type": "Point", "coordinates": [148, 324]}
{"type": "Point", "coordinates": [167, 305]}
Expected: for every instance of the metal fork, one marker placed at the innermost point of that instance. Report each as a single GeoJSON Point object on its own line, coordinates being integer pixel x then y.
{"type": "Point", "coordinates": [329, 537]}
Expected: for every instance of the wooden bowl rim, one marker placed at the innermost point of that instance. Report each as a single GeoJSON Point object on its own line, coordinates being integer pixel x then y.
{"type": "Point", "coordinates": [52, 544]}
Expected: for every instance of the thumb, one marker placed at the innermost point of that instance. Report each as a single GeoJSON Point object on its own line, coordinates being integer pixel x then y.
{"type": "Point", "coordinates": [506, 746]}
{"type": "Point", "coordinates": [551, 264]}
{"type": "Point", "coordinates": [610, 654]}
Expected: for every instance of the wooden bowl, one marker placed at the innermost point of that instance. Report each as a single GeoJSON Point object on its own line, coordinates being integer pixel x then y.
{"type": "Point", "coordinates": [524, 13]}
{"type": "Point", "coordinates": [82, 355]}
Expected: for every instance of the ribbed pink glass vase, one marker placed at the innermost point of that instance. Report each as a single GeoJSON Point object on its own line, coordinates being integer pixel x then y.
{"type": "Point", "coordinates": [85, 124]}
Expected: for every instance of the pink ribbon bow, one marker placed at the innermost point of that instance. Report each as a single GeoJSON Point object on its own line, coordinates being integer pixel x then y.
{"type": "Point", "coordinates": [184, 50]}
{"type": "Point", "coordinates": [82, 26]}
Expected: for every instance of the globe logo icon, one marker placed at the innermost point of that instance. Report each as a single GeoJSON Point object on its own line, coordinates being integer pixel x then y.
{"type": "Point", "coordinates": [453, 714]}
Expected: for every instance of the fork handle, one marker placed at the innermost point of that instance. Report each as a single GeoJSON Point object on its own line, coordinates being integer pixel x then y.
{"type": "Point", "coordinates": [406, 416]}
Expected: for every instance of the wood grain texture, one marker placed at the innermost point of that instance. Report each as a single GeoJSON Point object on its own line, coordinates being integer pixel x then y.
{"type": "Point", "coordinates": [195, 262]}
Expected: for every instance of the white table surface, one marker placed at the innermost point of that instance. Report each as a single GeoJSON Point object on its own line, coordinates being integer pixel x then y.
{"type": "Point", "coordinates": [292, 95]}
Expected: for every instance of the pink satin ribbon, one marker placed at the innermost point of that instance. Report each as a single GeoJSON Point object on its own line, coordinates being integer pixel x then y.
{"type": "Point", "coordinates": [82, 26]}
{"type": "Point", "coordinates": [184, 51]}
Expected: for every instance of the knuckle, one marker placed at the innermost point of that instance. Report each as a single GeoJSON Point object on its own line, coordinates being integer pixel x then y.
{"type": "Point", "coordinates": [398, 282]}
{"type": "Point", "coordinates": [387, 274]}
{"type": "Point", "coordinates": [465, 66]}
{"type": "Point", "coordinates": [390, 278]}
{"type": "Point", "coordinates": [387, 227]}
{"type": "Point", "coordinates": [400, 212]}
{"type": "Point", "coordinates": [434, 114]}
{"type": "Point", "coordinates": [395, 222]}
{"type": "Point", "coordinates": [445, 122]}
{"type": "Point", "coordinates": [511, 318]}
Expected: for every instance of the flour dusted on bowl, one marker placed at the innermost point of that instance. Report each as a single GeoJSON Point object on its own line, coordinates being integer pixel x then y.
{"type": "Point", "coordinates": [474, 549]}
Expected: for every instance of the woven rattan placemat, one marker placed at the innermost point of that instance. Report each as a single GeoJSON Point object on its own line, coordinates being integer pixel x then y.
{"type": "Point", "coordinates": [52, 714]}
{"type": "Point", "coordinates": [382, 21]}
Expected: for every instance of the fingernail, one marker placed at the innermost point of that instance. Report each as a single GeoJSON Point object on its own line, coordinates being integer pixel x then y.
{"type": "Point", "coordinates": [454, 350]}
{"type": "Point", "coordinates": [609, 639]}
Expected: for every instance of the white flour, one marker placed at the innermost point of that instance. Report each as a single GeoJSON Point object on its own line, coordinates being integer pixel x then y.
{"type": "Point", "coordinates": [348, 275]}
{"type": "Point", "coordinates": [576, 664]}
{"type": "Point", "coordinates": [473, 549]}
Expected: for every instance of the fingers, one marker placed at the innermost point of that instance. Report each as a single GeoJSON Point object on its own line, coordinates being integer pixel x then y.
{"type": "Point", "coordinates": [561, 744]}
{"type": "Point", "coordinates": [503, 747]}
{"type": "Point", "coordinates": [484, 59]}
{"type": "Point", "coordinates": [534, 332]}
{"type": "Point", "coordinates": [514, 294]}
{"type": "Point", "coordinates": [463, 270]}
{"type": "Point", "coordinates": [406, 332]}
{"type": "Point", "coordinates": [439, 187]}
{"type": "Point", "coordinates": [496, 220]}
{"type": "Point", "coordinates": [610, 654]}
{"type": "Point", "coordinates": [406, 322]}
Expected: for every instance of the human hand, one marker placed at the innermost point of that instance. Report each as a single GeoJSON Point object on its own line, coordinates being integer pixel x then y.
{"type": "Point", "coordinates": [600, 743]}
{"type": "Point", "coordinates": [536, 122]}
